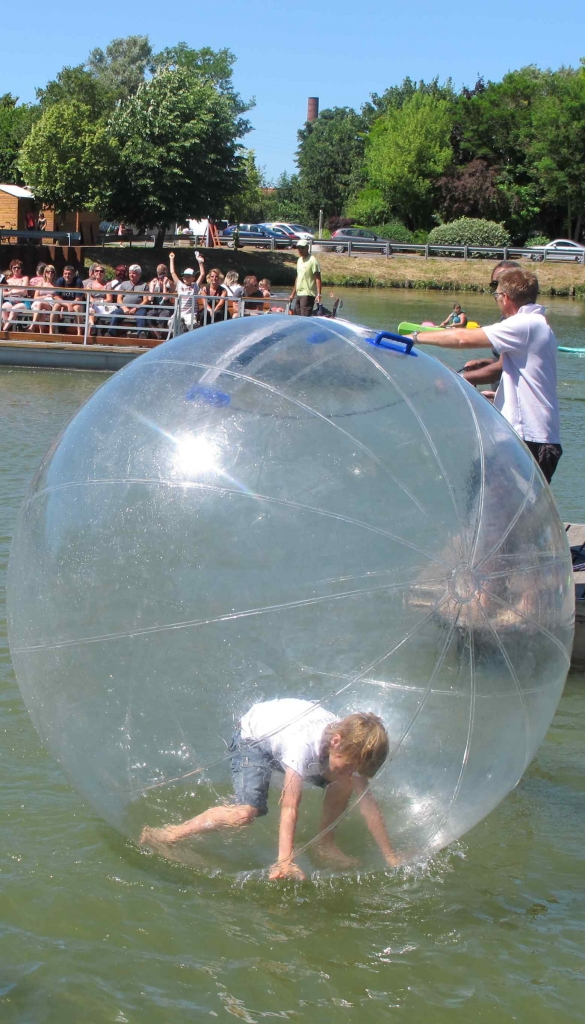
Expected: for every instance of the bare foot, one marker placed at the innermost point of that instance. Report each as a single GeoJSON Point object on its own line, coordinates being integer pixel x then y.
{"type": "Point", "coordinates": [336, 858]}
{"type": "Point", "coordinates": [157, 836]}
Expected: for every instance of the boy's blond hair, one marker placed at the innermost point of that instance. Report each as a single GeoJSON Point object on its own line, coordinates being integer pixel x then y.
{"type": "Point", "coordinates": [364, 741]}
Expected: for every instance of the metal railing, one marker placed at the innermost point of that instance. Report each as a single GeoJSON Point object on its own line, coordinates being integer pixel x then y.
{"type": "Point", "coordinates": [70, 237]}
{"type": "Point", "coordinates": [97, 314]}
{"type": "Point", "coordinates": [363, 247]}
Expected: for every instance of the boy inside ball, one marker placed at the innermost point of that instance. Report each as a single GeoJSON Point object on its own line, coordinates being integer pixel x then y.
{"type": "Point", "coordinates": [306, 743]}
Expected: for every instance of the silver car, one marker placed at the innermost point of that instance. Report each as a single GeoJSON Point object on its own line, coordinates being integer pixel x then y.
{"type": "Point", "coordinates": [560, 249]}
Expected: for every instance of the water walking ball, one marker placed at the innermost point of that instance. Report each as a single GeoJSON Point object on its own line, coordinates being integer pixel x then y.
{"type": "Point", "coordinates": [281, 507]}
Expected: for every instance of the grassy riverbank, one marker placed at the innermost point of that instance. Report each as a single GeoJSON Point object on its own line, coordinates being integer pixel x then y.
{"type": "Point", "coordinates": [362, 272]}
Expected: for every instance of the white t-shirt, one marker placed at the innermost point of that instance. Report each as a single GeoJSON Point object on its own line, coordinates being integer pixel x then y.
{"type": "Point", "coordinates": [527, 393]}
{"type": "Point", "coordinates": [187, 293]}
{"type": "Point", "coordinates": [290, 729]}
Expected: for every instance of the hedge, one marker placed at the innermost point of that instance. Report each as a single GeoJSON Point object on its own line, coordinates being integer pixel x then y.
{"type": "Point", "coordinates": [470, 231]}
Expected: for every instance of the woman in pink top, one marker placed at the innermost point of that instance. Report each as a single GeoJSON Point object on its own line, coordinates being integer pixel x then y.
{"type": "Point", "coordinates": [15, 294]}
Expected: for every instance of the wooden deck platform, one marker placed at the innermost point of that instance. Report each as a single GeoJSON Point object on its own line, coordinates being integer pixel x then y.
{"type": "Point", "coordinates": [65, 352]}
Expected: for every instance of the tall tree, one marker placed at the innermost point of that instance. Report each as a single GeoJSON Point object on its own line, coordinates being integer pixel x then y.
{"type": "Point", "coordinates": [285, 201]}
{"type": "Point", "coordinates": [77, 85]}
{"type": "Point", "coordinates": [249, 203]}
{"type": "Point", "coordinates": [396, 96]}
{"type": "Point", "coordinates": [68, 158]}
{"type": "Point", "coordinates": [556, 151]}
{"type": "Point", "coordinates": [16, 121]}
{"type": "Point", "coordinates": [408, 150]}
{"type": "Point", "coordinates": [122, 66]}
{"type": "Point", "coordinates": [179, 154]}
{"type": "Point", "coordinates": [330, 157]}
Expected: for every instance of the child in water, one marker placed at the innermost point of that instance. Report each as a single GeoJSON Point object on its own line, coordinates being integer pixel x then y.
{"type": "Point", "coordinates": [306, 743]}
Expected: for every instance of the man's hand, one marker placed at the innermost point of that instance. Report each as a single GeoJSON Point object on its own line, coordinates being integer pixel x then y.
{"type": "Point", "coordinates": [171, 257]}
{"type": "Point", "coordinates": [286, 869]}
{"type": "Point", "coordinates": [477, 364]}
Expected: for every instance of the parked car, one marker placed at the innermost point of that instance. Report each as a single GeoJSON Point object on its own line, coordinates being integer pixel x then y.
{"type": "Point", "coordinates": [354, 235]}
{"type": "Point", "coordinates": [295, 231]}
{"type": "Point", "coordinates": [560, 249]}
{"type": "Point", "coordinates": [250, 233]}
{"type": "Point", "coordinates": [284, 228]}
{"type": "Point", "coordinates": [302, 231]}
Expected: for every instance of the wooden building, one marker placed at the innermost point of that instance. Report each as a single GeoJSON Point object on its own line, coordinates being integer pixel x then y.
{"type": "Point", "coordinates": [17, 202]}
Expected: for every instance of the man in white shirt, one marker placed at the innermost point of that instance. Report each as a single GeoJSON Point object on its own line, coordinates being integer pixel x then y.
{"type": "Point", "coordinates": [527, 393]}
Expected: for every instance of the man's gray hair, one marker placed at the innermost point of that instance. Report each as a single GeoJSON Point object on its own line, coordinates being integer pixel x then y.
{"type": "Point", "coordinates": [135, 266]}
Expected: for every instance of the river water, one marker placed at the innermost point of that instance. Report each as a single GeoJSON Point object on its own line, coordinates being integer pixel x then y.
{"type": "Point", "coordinates": [93, 930]}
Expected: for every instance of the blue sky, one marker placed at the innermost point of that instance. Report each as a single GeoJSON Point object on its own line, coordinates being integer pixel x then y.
{"type": "Point", "coordinates": [336, 50]}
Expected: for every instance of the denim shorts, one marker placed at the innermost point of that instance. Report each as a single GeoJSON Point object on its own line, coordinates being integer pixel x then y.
{"type": "Point", "coordinates": [252, 769]}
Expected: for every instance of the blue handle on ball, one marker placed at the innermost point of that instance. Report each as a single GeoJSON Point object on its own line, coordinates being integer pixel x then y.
{"type": "Point", "coordinates": [404, 346]}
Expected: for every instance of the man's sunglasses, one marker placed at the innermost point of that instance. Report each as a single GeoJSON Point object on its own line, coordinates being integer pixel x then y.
{"type": "Point", "coordinates": [493, 286]}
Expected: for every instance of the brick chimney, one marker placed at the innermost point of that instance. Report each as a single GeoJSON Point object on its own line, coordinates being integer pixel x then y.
{"type": "Point", "coordinates": [312, 108]}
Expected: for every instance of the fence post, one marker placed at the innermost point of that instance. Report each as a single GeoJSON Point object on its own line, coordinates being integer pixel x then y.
{"type": "Point", "coordinates": [387, 249]}
{"type": "Point", "coordinates": [349, 247]}
{"type": "Point", "coordinates": [86, 323]}
{"type": "Point", "coordinates": [505, 253]}
{"type": "Point", "coordinates": [426, 252]}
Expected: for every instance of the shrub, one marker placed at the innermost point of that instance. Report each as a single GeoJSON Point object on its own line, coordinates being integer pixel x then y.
{"type": "Point", "coordinates": [470, 231]}
{"type": "Point", "coordinates": [395, 231]}
{"type": "Point", "coordinates": [536, 240]}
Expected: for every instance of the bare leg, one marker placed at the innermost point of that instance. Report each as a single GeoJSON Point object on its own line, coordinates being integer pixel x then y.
{"type": "Point", "coordinates": [335, 802]}
{"type": "Point", "coordinates": [54, 317]}
{"type": "Point", "coordinates": [209, 821]}
{"type": "Point", "coordinates": [79, 319]}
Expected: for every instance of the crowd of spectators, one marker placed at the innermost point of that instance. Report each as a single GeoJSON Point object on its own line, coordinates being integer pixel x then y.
{"type": "Point", "coordinates": [127, 305]}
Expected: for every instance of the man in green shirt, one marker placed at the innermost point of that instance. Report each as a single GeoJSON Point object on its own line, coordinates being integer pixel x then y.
{"type": "Point", "coordinates": [308, 283]}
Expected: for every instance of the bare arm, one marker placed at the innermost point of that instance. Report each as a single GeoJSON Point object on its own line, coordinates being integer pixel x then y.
{"type": "Point", "coordinates": [373, 818]}
{"type": "Point", "coordinates": [489, 374]}
{"type": "Point", "coordinates": [174, 274]}
{"type": "Point", "coordinates": [285, 867]}
{"type": "Point", "coordinates": [456, 337]}
{"type": "Point", "coordinates": [201, 277]}
{"type": "Point", "coordinates": [318, 280]}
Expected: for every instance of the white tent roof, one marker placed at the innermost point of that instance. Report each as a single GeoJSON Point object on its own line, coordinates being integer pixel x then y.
{"type": "Point", "coordinates": [16, 190]}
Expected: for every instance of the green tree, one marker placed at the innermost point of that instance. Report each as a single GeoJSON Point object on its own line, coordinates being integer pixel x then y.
{"type": "Point", "coordinates": [68, 159]}
{"type": "Point", "coordinates": [77, 85]}
{"type": "Point", "coordinates": [285, 200]}
{"type": "Point", "coordinates": [15, 124]}
{"type": "Point", "coordinates": [122, 66]}
{"type": "Point", "coordinates": [396, 96]}
{"type": "Point", "coordinates": [408, 150]}
{"type": "Point", "coordinates": [214, 67]}
{"type": "Point", "coordinates": [249, 204]}
{"type": "Point", "coordinates": [556, 151]}
{"type": "Point", "coordinates": [330, 157]}
{"type": "Point", "coordinates": [179, 154]}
